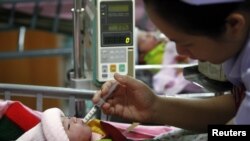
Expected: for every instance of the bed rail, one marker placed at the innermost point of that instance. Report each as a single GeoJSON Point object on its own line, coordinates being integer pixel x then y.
{"type": "Point", "coordinates": [40, 92]}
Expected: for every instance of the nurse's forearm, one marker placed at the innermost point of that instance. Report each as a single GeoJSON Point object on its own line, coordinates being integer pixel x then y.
{"type": "Point", "coordinates": [194, 114]}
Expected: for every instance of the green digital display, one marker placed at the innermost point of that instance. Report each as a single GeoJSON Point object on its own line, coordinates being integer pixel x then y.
{"type": "Point", "coordinates": [118, 8]}
{"type": "Point", "coordinates": [118, 27]}
{"type": "Point", "coordinates": [119, 39]}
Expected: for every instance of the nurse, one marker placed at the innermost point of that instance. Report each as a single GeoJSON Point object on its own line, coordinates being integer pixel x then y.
{"type": "Point", "coordinates": [208, 30]}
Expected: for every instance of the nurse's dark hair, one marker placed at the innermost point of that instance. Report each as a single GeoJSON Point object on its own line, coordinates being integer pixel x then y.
{"type": "Point", "coordinates": [206, 20]}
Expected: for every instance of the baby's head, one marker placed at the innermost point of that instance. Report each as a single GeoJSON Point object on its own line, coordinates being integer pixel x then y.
{"type": "Point", "coordinates": [61, 128]}
{"type": "Point", "coordinates": [146, 41]}
{"type": "Point", "coordinates": [76, 129]}
{"type": "Point", "coordinates": [54, 126]}
{"type": "Point", "coordinates": [149, 46]}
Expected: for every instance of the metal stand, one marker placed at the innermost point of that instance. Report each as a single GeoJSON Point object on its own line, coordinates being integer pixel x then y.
{"type": "Point", "coordinates": [81, 79]}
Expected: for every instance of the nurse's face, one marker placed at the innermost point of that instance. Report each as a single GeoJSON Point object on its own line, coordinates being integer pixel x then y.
{"type": "Point", "coordinates": [197, 47]}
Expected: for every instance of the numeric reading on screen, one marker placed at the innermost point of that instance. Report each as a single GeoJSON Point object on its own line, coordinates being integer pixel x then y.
{"type": "Point", "coordinates": [118, 27]}
{"type": "Point", "coordinates": [118, 8]}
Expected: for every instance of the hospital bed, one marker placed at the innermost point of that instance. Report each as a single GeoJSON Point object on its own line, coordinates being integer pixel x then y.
{"type": "Point", "coordinates": [73, 95]}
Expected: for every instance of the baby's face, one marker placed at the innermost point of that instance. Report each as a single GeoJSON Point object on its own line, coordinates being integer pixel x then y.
{"type": "Point", "coordinates": [146, 42]}
{"type": "Point", "coordinates": [76, 129]}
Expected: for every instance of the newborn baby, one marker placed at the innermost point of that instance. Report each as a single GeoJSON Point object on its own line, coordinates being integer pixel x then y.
{"type": "Point", "coordinates": [54, 126]}
{"type": "Point", "coordinates": [147, 42]}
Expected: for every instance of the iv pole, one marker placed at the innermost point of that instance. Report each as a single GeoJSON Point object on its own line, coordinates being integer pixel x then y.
{"type": "Point", "coordinates": [80, 105]}
{"type": "Point", "coordinates": [78, 79]}
{"type": "Point", "coordinates": [77, 50]}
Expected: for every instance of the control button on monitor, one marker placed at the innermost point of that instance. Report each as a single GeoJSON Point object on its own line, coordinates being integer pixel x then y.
{"type": "Point", "coordinates": [104, 75]}
{"type": "Point", "coordinates": [122, 68]}
{"type": "Point", "coordinates": [113, 68]}
{"type": "Point", "coordinates": [104, 68]}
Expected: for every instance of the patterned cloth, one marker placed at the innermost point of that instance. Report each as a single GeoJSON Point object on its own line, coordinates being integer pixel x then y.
{"type": "Point", "coordinates": [181, 135]}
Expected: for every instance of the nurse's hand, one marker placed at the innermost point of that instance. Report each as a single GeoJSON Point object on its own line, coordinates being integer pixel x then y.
{"type": "Point", "coordinates": [132, 99]}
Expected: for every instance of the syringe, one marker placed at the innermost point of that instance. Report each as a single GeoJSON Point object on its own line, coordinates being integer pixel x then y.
{"type": "Point", "coordinates": [93, 110]}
